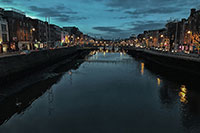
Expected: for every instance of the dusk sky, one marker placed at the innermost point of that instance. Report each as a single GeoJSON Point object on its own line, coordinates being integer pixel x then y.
{"type": "Point", "coordinates": [107, 18]}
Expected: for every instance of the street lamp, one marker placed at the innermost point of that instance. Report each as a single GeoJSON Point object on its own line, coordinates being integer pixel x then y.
{"type": "Point", "coordinates": [32, 30]}
{"type": "Point", "coordinates": [189, 32]}
{"type": "Point", "coordinates": [190, 38]}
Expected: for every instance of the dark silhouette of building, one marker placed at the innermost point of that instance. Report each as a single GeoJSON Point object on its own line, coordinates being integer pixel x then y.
{"type": "Point", "coordinates": [39, 32]}
{"type": "Point", "coordinates": [4, 37]}
{"type": "Point", "coordinates": [19, 29]}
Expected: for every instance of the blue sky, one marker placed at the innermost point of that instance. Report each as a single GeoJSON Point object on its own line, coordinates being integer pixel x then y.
{"type": "Point", "coordinates": [107, 18]}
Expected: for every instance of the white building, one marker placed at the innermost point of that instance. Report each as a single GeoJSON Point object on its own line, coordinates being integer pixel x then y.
{"type": "Point", "coordinates": [4, 36]}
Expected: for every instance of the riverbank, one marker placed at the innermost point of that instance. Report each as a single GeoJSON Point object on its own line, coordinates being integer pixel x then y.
{"type": "Point", "coordinates": [13, 97]}
{"type": "Point", "coordinates": [16, 66]}
{"type": "Point", "coordinates": [176, 61]}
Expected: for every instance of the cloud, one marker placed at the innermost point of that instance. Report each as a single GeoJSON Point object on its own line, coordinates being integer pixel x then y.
{"type": "Point", "coordinates": [60, 13]}
{"type": "Point", "coordinates": [108, 29]}
{"type": "Point", "coordinates": [142, 4]}
{"type": "Point", "coordinates": [157, 10]}
{"type": "Point", "coordinates": [112, 10]}
{"type": "Point", "coordinates": [52, 11]}
{"type": "Point", "coordinates": [127, 16]}
{"type": "Point", "coordinates": [113, 32]}
{"type": "Point", "coordinates": [7, 1]}
{"type": "Point", "coordinates": [140, 26]}
{"type": "Point", "coordinates": [135, 27]}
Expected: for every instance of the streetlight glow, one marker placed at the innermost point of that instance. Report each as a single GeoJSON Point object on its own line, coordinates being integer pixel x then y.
{"type": "Point", "coordinates": [189, 32]}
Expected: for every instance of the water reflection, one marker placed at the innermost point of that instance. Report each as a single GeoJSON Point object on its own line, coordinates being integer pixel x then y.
{"type": "Point", "coordinates": [19, 102]}
{"type": "Point", "coordinates": [50, 102]}
{"type": "Point", "coordinates": [142, 68]}
{"type": "Point", "coordinates": [177, 89]}
{"type": "Point", "coordinates": [183, 94]}
{"type": "Point", "coordinates": [111, 96]}
{"type": "Point", "coordinates": [158, 81]}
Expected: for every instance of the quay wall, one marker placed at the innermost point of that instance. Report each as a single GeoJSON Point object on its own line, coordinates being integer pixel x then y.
{"type": "Point", "coordinates": [17, 65]}
{"type": "Point", "coordinates": [181, 63]}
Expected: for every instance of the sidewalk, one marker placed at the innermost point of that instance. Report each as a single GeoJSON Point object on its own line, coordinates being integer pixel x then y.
{"type": "Point", "coordinates": [190, 57]}
{"type": "Point", "coordinates": [9, 54]}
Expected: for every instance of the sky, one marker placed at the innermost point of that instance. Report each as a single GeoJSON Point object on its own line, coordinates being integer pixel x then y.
{"type": "Point", "coordinates": [110, 19]}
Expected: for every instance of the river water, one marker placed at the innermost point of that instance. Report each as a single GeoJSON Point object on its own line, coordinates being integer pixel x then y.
{"type": "Point", "coordinates": [106, 93]}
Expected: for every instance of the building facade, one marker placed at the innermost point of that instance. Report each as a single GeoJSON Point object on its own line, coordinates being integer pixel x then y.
{"type": "Point", "coordinates": [19, 30]}
{"type": "Point", "coordinates": [39, 33]}
{"type": "Point", "coordinates": [193, 30]}
{"type": "Point", "coordinates": [4, 36]}
{"type": "Point", "coordinates": [55, 35]}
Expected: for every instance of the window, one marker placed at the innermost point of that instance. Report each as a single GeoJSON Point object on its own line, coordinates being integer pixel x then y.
{"type": "Point", "coordinates": [3, 27]}
{"type": "Point", "coordinates": [4, 37]}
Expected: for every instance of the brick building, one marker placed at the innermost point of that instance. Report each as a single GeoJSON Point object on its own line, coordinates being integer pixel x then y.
{"type": "Point", "coordinates": [19, 29]}
{"type": "Point", "coordinates": [39, 33]}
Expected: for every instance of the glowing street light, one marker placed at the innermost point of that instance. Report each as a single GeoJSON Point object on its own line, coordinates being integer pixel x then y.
{"type": "Point", "coordinates": [162, 36]}
{"type": "Point", "coordinates": [33, 29]}
{"type": "Point", "coordinates": [189, 32]}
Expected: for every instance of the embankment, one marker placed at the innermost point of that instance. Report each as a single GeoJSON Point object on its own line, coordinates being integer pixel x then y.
{"type": "Point", "coordinates": [16, 66]}
{"type": "Point", "coordinates": [179, 62]}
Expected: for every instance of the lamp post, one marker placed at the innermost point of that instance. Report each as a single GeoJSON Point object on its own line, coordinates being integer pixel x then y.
{"type": "Point", "coordinates": [151, 38]}
{"type": "Point", "coordinates": [190, 38]}
{"type": "Point", "coordinates": [1, 46]}
{"type": "Point", "coordinates": [162, 36]}
{"type": "Point", "coordinates": [32, 30]}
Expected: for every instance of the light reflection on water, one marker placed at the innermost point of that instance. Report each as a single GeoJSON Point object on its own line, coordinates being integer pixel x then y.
{"type": "Point", "coordinates": [110, 92]}
{"type": "Point", "coordinates": [183, 94]}
{"type": "Point", "coordinates": [158, 81]}
{"type": "Point", "coordinates": [142, 68]}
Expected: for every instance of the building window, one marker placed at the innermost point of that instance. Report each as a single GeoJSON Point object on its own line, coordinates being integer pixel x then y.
{"type": "Point", "coordinates": [3, 27]}
{"type": "Point", "coordinates": [4, 37]}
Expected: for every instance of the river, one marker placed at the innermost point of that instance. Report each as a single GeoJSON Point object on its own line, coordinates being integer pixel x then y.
{"type": "Point", "coordinates": [107, 92]}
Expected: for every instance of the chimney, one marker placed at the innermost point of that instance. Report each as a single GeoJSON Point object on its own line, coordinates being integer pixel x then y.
{"type": "Point", "coordinates": [193, 10]}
